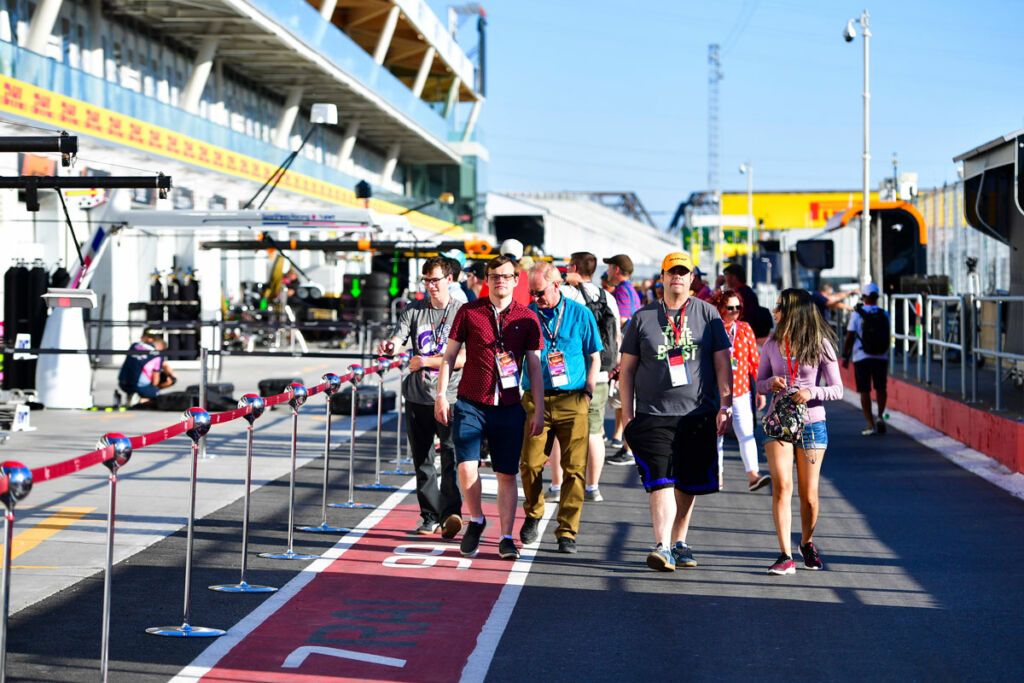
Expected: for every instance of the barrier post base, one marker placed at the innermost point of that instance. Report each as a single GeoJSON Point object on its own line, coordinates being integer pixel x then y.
{"type": "Point", "coordinates": [352, 506]}
{"type": "Point", "coordinates": [289, 555]}
{"type": "Point", "coordinates": [397, 471]}
{"type": "Point", "coordinates": [325, 529]}
{"type": "Point", "coordinates": [242, 587]}
{"type": "Point", "coordinates": [377, 486]}
{"type": "Point", "coordinates": [185, 631]}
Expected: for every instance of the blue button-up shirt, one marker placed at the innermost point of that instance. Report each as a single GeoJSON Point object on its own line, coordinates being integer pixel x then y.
{"type": "Point", "coordinates": [577, 338]}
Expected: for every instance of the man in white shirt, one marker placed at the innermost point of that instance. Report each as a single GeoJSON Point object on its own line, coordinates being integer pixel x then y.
{"type": "Point", "coordinates": [578, 285]}
{"type": "Point", "coordinates": [867, 340]}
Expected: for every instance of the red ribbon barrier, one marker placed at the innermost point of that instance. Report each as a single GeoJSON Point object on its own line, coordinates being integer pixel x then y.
{"type": "Point", "coordinates": [70, 466]}
{"type": "Point", "coordinates": [217, 418]}
{"type": "Point", "coordinates": [279, 398]}
{"type": "Point", "coordinates": [100, 455]}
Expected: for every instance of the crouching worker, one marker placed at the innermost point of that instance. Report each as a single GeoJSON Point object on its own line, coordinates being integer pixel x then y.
{"type": "Point", "coordinates": [145, 372]}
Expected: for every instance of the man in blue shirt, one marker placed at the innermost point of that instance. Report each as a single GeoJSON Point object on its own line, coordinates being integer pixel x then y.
{"type": "Point", "coordinates": [570, 362]}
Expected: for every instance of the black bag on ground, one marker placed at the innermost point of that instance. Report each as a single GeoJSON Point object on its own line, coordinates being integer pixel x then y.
{"type": "Point", "coordinates": [366, 401]}
{"type": "Point", "coordinates": [607, 324]}
{"type": "Point", "coordinates": [177, 401]}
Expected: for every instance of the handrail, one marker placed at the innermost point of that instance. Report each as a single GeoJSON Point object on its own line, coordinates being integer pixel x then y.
{"type": "Point", "coordinates": [977, 351]}
{"type": "Point", "coordinates": [905, 336]}
{"type": "Point", "coordinates": [943, 342]}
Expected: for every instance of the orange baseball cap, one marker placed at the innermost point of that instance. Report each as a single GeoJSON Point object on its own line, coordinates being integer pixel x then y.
{"type": "Point", "coordinates": [676, 259]}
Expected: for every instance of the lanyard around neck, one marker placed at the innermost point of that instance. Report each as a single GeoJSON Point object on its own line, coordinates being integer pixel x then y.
{"type": "Point", "coordinates": [793, 368]}
{"type": "Point", "coordinates": [677, 329]}
{"type": "Point", "coordinates": [553, 336]}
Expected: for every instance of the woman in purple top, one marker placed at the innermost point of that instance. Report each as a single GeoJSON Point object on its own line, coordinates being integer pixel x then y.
{"type": "Point", "coordinates": [798, 356]}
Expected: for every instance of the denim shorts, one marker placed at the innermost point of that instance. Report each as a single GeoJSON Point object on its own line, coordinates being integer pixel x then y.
{"type": "Point", "coordinates": [502, 426]}
{"type": "Point", "coordinates": [815, 437]}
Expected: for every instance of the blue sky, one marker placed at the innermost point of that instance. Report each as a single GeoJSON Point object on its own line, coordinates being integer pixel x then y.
{"type": "Point", "coordinates": [607, 95]}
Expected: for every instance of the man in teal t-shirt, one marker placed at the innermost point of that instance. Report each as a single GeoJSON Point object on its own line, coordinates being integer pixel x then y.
{"type": "Point", "coordinates": [570, 362]}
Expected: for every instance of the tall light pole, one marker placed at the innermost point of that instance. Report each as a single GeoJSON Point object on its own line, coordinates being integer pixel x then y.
{"type": "Point", "coordinates": [865, 217]}
{"type": "Point", "coordinates": [748, 170]}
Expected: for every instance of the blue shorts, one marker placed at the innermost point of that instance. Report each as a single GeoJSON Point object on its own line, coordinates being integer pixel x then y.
{"type": "Point", "coordinates": [502, 425]}
{"type": "Point", "coordinates": [815, 437]}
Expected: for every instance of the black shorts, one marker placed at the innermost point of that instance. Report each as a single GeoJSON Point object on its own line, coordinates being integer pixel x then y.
{"type": "Point", "coordinates": [870, 371]}
{"type": "Point", "coordinates": [675, 451]}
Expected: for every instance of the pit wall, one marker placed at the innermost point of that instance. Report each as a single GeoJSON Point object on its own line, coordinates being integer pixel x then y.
{"type": "Point", "coordinates": [1000, 438]}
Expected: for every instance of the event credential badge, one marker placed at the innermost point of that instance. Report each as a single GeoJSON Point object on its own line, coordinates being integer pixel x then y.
{"type": "Point", "coordinates": [677, 367]}
{"type": "Point", "coordinates": [557, 370]}
{"type": "Point", "coordinates": [507, 370]}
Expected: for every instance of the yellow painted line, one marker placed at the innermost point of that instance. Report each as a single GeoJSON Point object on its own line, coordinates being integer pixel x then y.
{"type": "Point", "coordinates": [29, 566]}
{"type": "Point", "coordinates": [35, 535]}
{"type": "Point", "coordinates": [311, 368]}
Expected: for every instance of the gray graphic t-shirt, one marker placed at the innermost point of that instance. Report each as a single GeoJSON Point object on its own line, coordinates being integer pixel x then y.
{"type": "Point", "coordinates": [650, 336]}
{"type": "Point", "coordinates": [426, 330]}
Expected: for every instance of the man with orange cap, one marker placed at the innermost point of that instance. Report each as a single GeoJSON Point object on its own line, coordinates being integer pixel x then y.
{"type": "Point", "coordinates": [676, 388]}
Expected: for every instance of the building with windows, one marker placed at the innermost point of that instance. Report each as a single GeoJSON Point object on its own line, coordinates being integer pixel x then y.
{"type": "Point", "coordinates": [216, 94]}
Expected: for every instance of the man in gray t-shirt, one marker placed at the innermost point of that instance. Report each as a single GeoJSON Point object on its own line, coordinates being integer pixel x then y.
{"type": "Point", "coordinates": [424, 326]}
{"type": "Point", "coordinates": [676, 385]}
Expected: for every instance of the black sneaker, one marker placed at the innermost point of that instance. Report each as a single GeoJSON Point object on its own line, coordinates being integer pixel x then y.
{"type": "Point", "coordinates": [471, 538]}
{"type": "Point", "coordinates": [528, 532]}
{"type": "Point", "coordinates": [620, 457]}
{"type": "Point", "coordinates": [812, 560]}
{"type": "Point", "coordinates": [567, 545]}
{"type": "Point", "coordinates": [507, 549]}
{"type": "Point", "coordinates": [880, 425]}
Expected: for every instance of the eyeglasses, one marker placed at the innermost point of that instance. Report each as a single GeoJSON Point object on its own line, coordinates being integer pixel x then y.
{"type": "Point", "coordinates": [733, 308]}
{"type": "Point", "coordinates": [778, 307]}
{"type": "Point", "coordinates": [499, 277]}
{"type": "Point", "coordinates": [535, 293]}
{"type": "Point", "coordinates": [431, 280]}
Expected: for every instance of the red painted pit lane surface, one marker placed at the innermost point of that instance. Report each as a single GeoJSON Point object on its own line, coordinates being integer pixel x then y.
{"type": "Point", "coordinates": [394, 606]}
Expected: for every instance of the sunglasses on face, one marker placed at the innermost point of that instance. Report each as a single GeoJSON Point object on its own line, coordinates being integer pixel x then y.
{"type": "Point", "coordinates": [733, 308]}
{"type": "Point", "coordinates": [536, 293]}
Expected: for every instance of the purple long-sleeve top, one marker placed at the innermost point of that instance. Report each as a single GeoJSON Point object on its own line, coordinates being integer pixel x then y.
{"type": "Point", "coordinates": [773, 363]}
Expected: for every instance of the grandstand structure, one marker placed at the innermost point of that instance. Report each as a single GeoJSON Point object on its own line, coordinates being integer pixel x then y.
{"type": "Point", "coordinates": [216, 94]}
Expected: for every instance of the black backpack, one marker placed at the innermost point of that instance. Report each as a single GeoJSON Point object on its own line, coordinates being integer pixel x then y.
{"type": "Point", "coordinates": [874, 331]}
{"type": "Point", "coordinates": [607, 326]}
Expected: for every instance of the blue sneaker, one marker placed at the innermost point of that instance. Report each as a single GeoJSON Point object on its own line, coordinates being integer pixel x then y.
{"type": "Point", "coordinates": [682, 555]}
{"type": "Point", "coordinates": [661, 559]}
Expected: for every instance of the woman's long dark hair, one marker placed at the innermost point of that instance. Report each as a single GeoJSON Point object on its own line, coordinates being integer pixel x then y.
{"type": "Point", "coordinates": [809, 335]}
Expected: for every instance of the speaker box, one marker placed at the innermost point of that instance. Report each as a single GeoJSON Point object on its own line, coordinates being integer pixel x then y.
{"type": "Point", "coordinates": [366, 401]}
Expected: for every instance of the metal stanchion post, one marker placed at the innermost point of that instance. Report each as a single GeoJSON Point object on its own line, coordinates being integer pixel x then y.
{"type": "Point", "coordinates": [376, 485]}
{"type": "Point", "coordinates": [203, 383]}
{"type": "Point", "coordinates": [299, 395]}
{"type": "Point", "coordinates": [333, 386]}
{"type": "Point", "coordinates": [122, 453]}
{"type": "Point", "coordinates": [357, 376]}
{"type": "Point", "coordinates": [256, 405]}
{"type": "Point", "coordinates": [19, 483]}
{"type": "Point", "coordinates": [200, 426]}
{"type": "Point", "coordinates": [403, 359]}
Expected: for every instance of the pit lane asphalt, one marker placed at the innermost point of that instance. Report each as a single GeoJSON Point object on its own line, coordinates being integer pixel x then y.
{"type": "Point", "coordinates": [922, 576]}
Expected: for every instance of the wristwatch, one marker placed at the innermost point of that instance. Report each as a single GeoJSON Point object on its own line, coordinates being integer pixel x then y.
{"type": "Point", "coordinates": [589, 393]}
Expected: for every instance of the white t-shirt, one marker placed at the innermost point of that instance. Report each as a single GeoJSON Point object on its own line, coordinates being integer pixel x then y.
{"type": "Point", "coordinates": [854, 326]}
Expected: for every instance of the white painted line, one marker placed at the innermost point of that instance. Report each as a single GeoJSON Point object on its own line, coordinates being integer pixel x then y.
{"type": "Point", "coordinates": [298, 656]}
{"type": "Point", "coordinates": [956, 452]}
{"type": "Point", "coordinates": [209, 657]}
{"type": "Point", "coordinates": [479, 661]}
